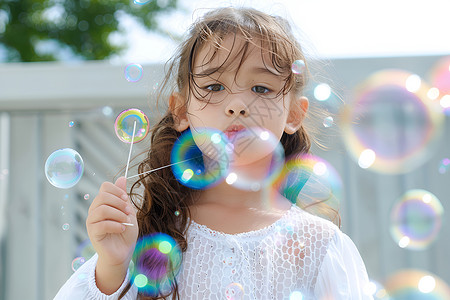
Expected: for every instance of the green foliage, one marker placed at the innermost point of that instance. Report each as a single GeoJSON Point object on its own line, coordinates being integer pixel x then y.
{"type": "Point", "coordinates": [35, 30]}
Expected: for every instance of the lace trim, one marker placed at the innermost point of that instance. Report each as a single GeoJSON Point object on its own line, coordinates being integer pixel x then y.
{"type": "Point", "coordinates": [253, 233]}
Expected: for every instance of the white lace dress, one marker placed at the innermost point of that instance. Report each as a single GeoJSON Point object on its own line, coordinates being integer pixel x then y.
{"type": "Point", "coordinates": [300, 256]}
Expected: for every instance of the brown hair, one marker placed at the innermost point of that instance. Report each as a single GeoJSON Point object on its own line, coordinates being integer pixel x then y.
{"type": "Point", "coordinates": [163, 194]}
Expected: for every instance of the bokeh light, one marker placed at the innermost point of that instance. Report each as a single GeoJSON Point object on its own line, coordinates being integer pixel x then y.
{"type": "Point", "coordinates": [64, 168]}
{"type": "Point", "coordinates": [313, 184]}
{"type": "Point", "coordinates": [154, 270]}
{"type": "Point", "coordinates": [199, 169]}
{"type": "Point", "coordinates": [124, 125]}
{"type": "Point", "coordinates": [376, 290]}
{"type": "Point", "coordinates": [444, 165]}
{"type": "Point", "coordinates": [416, 284]}
{"type": "Point", "coordinates": [133, 72]}
{"type": "Point", "coordinates": [392, 115]}
{"type": "Point", "coordinates": [416, 219]}
{"type": "Point", "coordinates": [322, 92]}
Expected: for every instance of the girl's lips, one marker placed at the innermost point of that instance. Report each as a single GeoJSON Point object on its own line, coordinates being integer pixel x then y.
{"type": "Point", "coordinates": [232, 130]}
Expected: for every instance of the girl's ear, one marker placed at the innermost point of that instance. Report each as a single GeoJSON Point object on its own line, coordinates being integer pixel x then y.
{"type": "Point", "coordinates": [177, 106]}
{"type": "Point", "coordinates": [297, 113]}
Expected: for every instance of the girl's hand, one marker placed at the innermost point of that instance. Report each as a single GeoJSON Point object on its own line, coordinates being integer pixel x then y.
{"type": "Point", "coordinates": [113, 241]}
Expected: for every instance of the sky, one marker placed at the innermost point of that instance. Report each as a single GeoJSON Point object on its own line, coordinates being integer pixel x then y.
{"type": "Point", "coordinates": [326, 28]}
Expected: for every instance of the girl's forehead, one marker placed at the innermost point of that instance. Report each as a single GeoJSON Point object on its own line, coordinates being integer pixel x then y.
{"type": "Point", "coordinates": [232, 54]}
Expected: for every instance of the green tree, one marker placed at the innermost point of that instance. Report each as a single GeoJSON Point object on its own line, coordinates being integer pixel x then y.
{"type": "Point", "coordinates": [36, 30]}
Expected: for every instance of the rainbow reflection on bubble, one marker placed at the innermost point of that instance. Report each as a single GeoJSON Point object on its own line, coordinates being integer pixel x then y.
{"type": "Point", "coordinates": [124, 125]}
{"type": "Point", "coordinates": [199, 169]}
{"type": "Point", "coordinates": [157, 261]}
{"type": "Point", "coordinates": [133, 72]}
{"type": "Point", "coordinates": [251, 145]}
{"type": "Point", "coordinates": [392, 115]}
{"type": "Point", "coordinates": [416, 219]}
{"type": "Point", "coordinates": [313, 184]}
{"type": "Point", "coordinates": [411, 284]}
{"type": "Point", "coordinates": [64, 168]}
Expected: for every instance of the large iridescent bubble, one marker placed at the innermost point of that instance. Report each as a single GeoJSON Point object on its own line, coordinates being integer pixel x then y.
{"type": "Point", "coordinates": [252, 146]}
{"type": "Point", "coordinates": [157, 261]}
{"type": "Point", "coordinates": [203, 162]}
{"type": "Point", "coordinates": [416, 219]}
{"type": "Point", "coordinates": [392, 117]}
{"type": "Point", "coordinates": [124, 125]}
{"type": "Point", "coordinates": [416, 284]}
{"type": "Point", "coordinates": [313, 184]}
{"type": "Point", "coordinates": [64, 168]}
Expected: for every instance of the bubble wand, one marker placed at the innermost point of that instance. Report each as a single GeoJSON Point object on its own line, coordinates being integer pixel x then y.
{"type": "Point", "coordinates": [128, 162]}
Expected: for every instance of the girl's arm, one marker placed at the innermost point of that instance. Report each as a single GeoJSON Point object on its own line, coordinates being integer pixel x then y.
{"type": "Point", "coordinates": [343, 274]}
{"type": "Point", "coordinates": [82, 285]}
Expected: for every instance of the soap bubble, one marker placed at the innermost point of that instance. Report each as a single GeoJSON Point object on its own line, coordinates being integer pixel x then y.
{"type": "Point", "coordinates": [392, 116]}
{"type": "Point", "coordinates": [234, 291]}
{"type": "Point", "coordinates": [64, 168]}
{"type": "Point", "coordinates": [251, 145]}
{"type": "Point", "coordinates": [77, 263]}
{"type": "Point", "coordinates": [153, 257]}
{"type": "Point", "coordinates": [313, 184]}
{"type": "Point", "coordinates": [203, 162]}
{"type": "Point", "coordinates": [298, 67]}
{"type": "Point", "coordinates": [416, 219]}
{"type": "Point", "coordinates": [124, 125]}
{"type": "Point", "coordinates": [133, 72]}
{"type": "Point", "coordinates": [416, 284]}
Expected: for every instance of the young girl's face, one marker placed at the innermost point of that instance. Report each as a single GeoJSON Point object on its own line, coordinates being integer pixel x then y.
{"type": "Point", "coordinates": [237, 90]}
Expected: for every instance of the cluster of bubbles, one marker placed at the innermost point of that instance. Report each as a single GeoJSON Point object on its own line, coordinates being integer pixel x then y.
{"type": "Point", "coordinates": [64, 168]}
{"type": "Point", "coordinates": [157, 261]}
{"type": "Point", "coordinates": [416, 219]}
{"type": "Point", "coordinates": [313, 184]}
{"type": "Point", "coordinates": [416, 284]}
{"type": "Point", "coordinates": [392, 126]}
{"type": "Point", "coordinates": [124, 125]}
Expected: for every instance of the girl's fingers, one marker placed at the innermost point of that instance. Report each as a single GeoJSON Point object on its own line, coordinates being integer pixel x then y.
{"type": "Point", "coordinates": [106, 212]}
{"type": "Point", "coordinates": [105, 198]}
{"type": "Point", "coordinates": [107, 226]}
{"type": "Point", "coordinates": [113, 189]}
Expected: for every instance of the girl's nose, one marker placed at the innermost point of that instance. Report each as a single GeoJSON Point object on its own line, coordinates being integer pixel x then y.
{"type": "Point", "coordinates": [236, 108]}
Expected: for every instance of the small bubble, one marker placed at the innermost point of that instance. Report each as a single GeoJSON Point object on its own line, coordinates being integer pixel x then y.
{"type": "Point", "coordinates": [298, 66]}
{"type": "Point", "coordinates": [133, 72]}
{"type": "Point", "coordinates": [328, 122]}
{"type": "Point", "coordinates": [86, 197]}
{"type": "Point", "coordinates": [177, 213]}
{"type": "Point", "coordinates": [66, 226]}
{"type": "Point", "coordinates": [71, 123]}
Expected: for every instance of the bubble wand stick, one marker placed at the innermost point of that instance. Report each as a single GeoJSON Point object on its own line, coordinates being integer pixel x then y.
{"type": "Point", "coordinates": [128, 162]}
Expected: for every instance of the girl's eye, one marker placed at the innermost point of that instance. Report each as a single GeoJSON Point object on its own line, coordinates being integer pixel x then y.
{"type": "Point", "coordinates": [215, 87]}
{"type": "Point", "coordinates": [260, 89]}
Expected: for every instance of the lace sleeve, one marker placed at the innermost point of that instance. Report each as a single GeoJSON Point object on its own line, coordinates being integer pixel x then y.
{"type": "Point", "coordinates": [343, 274]}
{"type": "Point", "coordinates": [81, 285]}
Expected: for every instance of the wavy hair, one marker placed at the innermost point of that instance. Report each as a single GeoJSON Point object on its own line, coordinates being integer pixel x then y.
{"type": "Point", "coordinates": [163, 195]}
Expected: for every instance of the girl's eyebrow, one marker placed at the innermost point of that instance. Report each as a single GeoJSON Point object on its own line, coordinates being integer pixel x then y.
{"type": "Point", "coordinates": [256, 70]}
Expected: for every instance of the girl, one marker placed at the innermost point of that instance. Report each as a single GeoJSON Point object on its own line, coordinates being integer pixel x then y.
{"type": "Point", "coordinates": [233, 73]}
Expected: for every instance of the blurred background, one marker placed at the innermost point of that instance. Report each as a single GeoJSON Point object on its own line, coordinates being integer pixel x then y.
{"type": "Point", "coordinates": [381, 72]}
